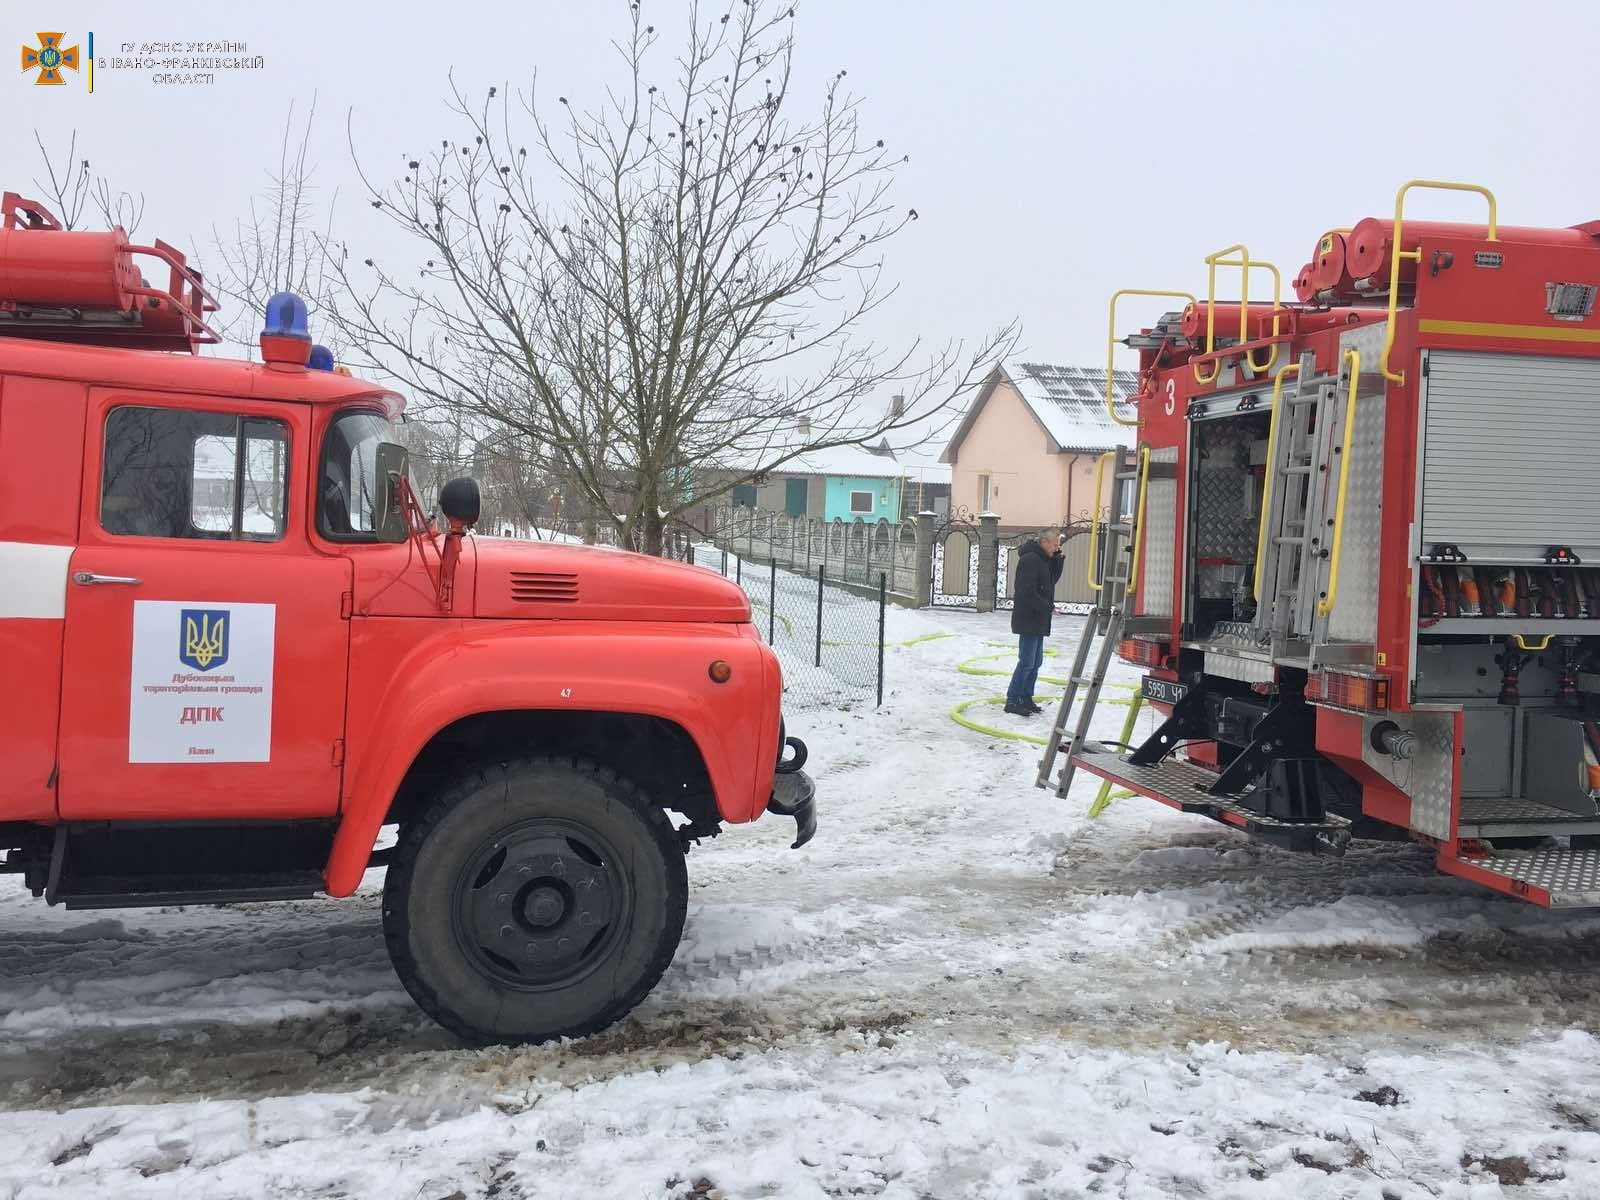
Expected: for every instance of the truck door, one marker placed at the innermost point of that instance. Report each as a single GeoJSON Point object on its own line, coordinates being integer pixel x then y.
{"type": "Point", "coordinates": [206, 643]}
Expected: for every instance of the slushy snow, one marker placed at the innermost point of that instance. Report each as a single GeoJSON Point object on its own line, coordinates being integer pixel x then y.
{"type": "Point", "coordinates": [962, 988]}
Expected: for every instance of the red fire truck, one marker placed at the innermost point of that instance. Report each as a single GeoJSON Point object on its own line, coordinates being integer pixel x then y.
{"type": "Point", "coordinates": [236, 648]}
{"type": "Point", "coordinates": [1357, 547]}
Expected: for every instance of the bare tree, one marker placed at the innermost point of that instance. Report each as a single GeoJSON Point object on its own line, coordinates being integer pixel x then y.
{"type": "Point", "coordinates": [671, 282]}
{"type": "Point", "coordinates": [72, 187]}
{"type": "Point", "coordinates": [278, 247]}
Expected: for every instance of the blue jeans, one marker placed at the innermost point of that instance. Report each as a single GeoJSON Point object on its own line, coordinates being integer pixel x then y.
{"type": "Point", "coordinates": [1030, 657]}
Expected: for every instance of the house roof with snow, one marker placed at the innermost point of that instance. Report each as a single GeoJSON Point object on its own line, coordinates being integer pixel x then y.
{"type": "Point", "coordinates": [856, 461]}
{"type": "Point", "coordinates": [1068, 402]}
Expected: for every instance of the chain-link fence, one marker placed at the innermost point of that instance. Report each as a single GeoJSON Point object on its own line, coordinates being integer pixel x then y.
{"type": "Point", "coordinates": [827, 635]}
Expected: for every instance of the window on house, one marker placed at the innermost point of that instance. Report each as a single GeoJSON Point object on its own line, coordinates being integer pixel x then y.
{"type": "Point", "coordinates": [177, 473]}
{"type": "Point", "coordinates": [744, 495]}
{"type": "Point", "coordinates": [983, 493]}
{"type": "Point", "coordinates": [861, 502]}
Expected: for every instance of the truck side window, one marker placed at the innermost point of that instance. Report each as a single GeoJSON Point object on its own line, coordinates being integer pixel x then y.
{"type": "Point", "coordinates": [346, 505]}
{"type": "Point", "coordinates": [177, 473]}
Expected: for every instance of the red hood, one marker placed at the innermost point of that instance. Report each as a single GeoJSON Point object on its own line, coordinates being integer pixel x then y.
{"type": "Point", "coordinates": [596, 583]}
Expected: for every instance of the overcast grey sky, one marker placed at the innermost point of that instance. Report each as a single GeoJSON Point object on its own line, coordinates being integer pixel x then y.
{"type": "Point", "coordinates": [1058, 151]}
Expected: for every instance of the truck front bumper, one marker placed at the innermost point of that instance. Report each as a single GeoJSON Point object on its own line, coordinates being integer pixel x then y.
{"type": "Point", "coordinates": [794, 795]}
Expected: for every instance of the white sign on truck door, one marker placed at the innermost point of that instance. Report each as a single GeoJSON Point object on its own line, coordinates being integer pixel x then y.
{"type": "Point", "coordinates": [201, 682]}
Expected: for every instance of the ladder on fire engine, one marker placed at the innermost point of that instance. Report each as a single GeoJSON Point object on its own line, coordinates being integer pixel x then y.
{"type": "Point", "coordinates": [1302, 509]}
{"type": "Point", "coordinates": [1113, 593]}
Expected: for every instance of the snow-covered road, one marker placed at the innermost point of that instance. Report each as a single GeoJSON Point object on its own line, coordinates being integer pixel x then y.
{"type": "Point", "coordinates": [963, 987]}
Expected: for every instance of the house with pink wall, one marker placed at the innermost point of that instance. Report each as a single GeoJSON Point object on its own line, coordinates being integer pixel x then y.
{"type": "Point", "coordinates": [1027, 444]}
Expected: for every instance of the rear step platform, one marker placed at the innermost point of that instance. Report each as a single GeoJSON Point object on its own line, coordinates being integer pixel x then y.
{"type": "Point", "coordinates": [1554, 878]}
{"type": "Point", "coordinates": [1181, 785]}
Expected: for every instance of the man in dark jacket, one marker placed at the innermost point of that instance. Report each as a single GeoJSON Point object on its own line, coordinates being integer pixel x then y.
{"type": "Point", "coordinates": [1039, 564]}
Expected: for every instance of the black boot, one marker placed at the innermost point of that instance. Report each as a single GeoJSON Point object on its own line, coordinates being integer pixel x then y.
{"type": "Point", "coordinates": [1034, 709]}
{"type": "Point", "coordinates": [1018, 710]}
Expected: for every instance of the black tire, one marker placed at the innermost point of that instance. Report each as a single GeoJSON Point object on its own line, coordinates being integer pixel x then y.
{"type": "Point", "coordinates": [536, 899]}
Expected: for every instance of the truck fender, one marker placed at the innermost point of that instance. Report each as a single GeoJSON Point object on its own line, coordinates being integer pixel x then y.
{"type": "Point", "coordinates": [487, 667]}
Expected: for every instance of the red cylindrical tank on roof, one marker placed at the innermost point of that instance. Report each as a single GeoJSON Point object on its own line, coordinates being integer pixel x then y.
{"type": "Point", "coordinates": [1329, 266]}
{"type": "Point", "coordinates": [1367, 245]}
{"type": "Point", "coordinates": [52, 268]}
{"type": "Point", "coordinates": [1304, 289]}
{"type": "Point", "coordinates": [1258, 320]}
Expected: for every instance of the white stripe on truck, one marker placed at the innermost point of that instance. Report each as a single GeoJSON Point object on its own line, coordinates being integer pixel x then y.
{"type": "Point", "coordinates": [33, 580]}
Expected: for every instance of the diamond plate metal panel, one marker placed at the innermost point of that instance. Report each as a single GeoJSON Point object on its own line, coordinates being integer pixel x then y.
{"type": "Point", "coordinates": [1179, 784]}
{"type": "Point", "coordinates": [1355, 611]}
{"type": "Point", "coordinates": [1572, 877]}
{"type": "Point", "coordinates": [1160, 539]}
{"type": "Point", "coordinates": [1428, 774]}
{"type": "Point", "coordinates": [1246, 670]}
{"type": "Point", "coordinates": [1226, 520]}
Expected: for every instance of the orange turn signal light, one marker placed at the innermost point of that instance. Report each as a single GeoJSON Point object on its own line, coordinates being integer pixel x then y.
{"type": "Point", "coordinates": [720, 671]}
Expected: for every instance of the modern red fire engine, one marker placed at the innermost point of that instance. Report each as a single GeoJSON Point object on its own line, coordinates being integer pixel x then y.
{"type": "Point", "coordinates": [1357, 546]}
{"type": "Point", "coordinates": [235, 648]}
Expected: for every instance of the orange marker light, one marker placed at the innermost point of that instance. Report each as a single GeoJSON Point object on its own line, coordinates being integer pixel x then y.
{"type": "Point", "coordinates": [720, 671]}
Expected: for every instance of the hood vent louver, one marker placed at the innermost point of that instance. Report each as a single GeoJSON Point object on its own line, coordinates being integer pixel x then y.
{"type": "Point", "coordinates": [544, 587]}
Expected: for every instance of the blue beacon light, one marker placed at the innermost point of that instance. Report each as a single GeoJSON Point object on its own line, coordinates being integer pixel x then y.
{"type": "Point", "coordinates": [321, 359]}
{"type": "Point", "coordinates": [287, 317]}
{"type": "Point", "coordinates": [286, 338]}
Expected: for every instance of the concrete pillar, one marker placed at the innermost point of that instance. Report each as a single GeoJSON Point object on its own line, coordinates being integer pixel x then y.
{"type": "Point", "coordinates": [988, 559]}
{"type": "Point", "coordinates": [922, 583]}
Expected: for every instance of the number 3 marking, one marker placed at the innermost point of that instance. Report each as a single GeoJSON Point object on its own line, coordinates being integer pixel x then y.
{"type": "Point", "coordinates": [1172, 397]}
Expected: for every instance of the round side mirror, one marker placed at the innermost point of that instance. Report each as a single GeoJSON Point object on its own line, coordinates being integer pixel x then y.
{"type": "Point", "coordinates": [459, 500]}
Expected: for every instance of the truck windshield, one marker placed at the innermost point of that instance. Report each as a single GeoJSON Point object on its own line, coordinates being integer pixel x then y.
{"type": "Point", "coordinates": [349, 497]}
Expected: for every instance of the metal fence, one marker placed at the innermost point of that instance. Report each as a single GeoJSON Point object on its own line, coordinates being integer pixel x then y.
{"type": "Point", "coordinates": [829, 638]}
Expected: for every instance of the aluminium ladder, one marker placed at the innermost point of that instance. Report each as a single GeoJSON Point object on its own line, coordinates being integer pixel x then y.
{"type": "Point", "coordinates": [1113, 593]}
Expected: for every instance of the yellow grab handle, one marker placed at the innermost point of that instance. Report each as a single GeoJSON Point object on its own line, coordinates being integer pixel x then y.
{"type": "Point", "coordinates": [1272, 447]}
{"type": "Point", "coordinates": [1138, 519]}
{"type": "Point", "coordinates": [1522, 642]}
{"type": "Point", "coordinates": [1094, 517]}
{"type": "Point", "coordinates": [1325, 605]}
{"type": "Point", "coordinates": [1396, 254]}
{"type": "Point", "coordinates": [1245, 264]}
{"type": "Point", "coordinates": [1111, 343]}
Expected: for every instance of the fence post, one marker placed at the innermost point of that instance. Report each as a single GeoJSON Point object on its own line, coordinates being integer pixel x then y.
{"type": "Point", "coordinates": [923, 579]}
{"type": "Point", "coordinates": [883, 600]}
{"type": "Point", "coordinates": [821, 576]}
{"type": "Point", "coordinates": [988, 559]}
{"type": "Point", "coordinates": [724, 562]}
{"type": "Point", "coordinates": [772, 603]}
{"type": "Point", "coordinates": [738, 570]}
{"type": "Point", "coordinates": [809, 531]}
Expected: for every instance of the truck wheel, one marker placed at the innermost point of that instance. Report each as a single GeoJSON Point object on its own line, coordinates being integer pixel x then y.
{"type": "Point", "coordinates": [536, 899]}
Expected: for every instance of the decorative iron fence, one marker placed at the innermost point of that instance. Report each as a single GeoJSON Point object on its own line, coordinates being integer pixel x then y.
{"type": "Point", "coordinates": [1073, 593]}
{"type": "Point", "coordinates": [955, 561]}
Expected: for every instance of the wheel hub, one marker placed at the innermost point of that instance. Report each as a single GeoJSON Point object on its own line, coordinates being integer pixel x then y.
{"type": "Point", "coordinates": [543, 906]}
{"type": "Point", "coordinates": [536, 907]}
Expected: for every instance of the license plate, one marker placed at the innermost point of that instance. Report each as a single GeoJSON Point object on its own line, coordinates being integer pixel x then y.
{"type": "Point", "coordinates": [1164, 690]}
